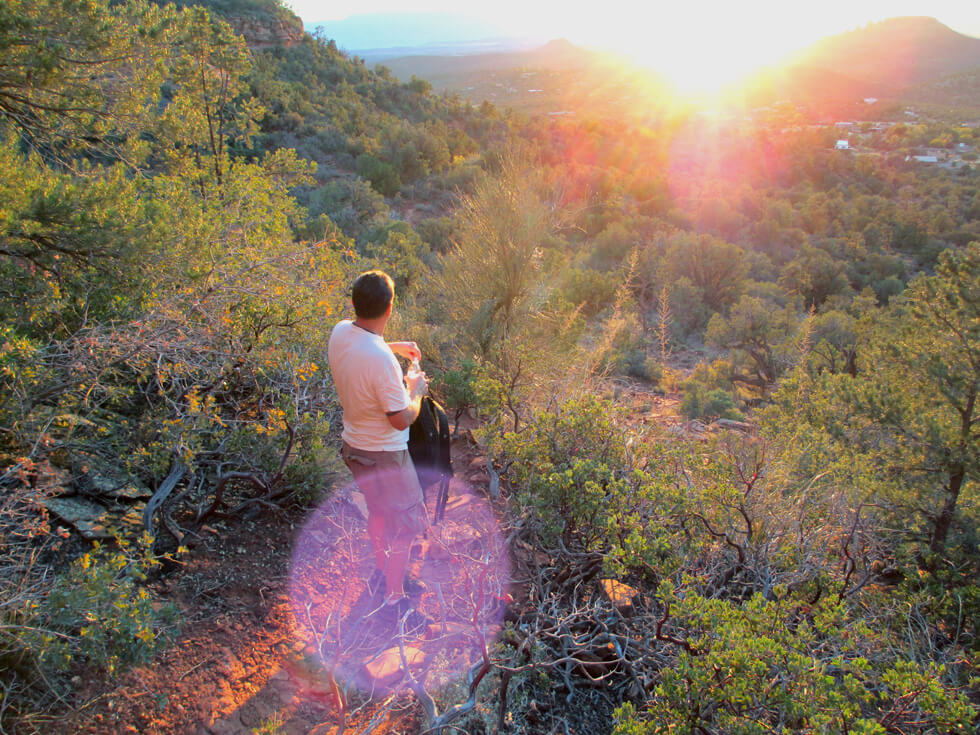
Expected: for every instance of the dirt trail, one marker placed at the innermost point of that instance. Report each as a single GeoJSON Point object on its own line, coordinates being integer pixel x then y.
{"type": "Point", "coordinates": [244, 661]}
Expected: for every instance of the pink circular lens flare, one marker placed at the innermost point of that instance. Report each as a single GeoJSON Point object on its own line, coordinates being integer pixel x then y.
{"type": "Point", "coordinates": [461, 577]}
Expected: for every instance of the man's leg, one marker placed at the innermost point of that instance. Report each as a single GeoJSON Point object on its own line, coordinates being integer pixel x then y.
{"type": "Point", "coordinates": [395, 568]}
{"type": "Point", "coordinates": [376, 533]}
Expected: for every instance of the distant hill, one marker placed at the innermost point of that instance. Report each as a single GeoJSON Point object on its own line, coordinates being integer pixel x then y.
{"type": "Point", "coordinates": [455, 71]}
{"type": "Point", "coordinates": [557, 78]}
{"type": "Point", "coordinates": [895, 54]}
{"type": "Point", "coordinates": [900, 59]}
{"type": "Point", "coordinates": [404, 30]}
{"type": "Point", "coordinates": [957, 94]}
{"type": "Point", "coordinates": [821, 90]}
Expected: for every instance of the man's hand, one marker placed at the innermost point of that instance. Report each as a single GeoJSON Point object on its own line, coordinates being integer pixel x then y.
{"type": "Point", "coordinates": [408, 350]}
{"type": "Point", "coordinates": [418, 386]}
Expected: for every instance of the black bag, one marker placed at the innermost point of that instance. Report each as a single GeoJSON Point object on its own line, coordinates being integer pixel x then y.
{"type": "Point", "coordinates": [429, 445]}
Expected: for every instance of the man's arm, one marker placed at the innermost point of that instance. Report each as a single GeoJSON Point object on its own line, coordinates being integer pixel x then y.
{"type": "Point", "coordinates": [418, 386]}
{"type": "Point", "coordinates": [408, 350]}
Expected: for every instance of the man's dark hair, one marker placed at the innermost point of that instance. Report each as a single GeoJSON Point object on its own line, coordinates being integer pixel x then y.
{"type": "Point", "coordinates": [372, 293]}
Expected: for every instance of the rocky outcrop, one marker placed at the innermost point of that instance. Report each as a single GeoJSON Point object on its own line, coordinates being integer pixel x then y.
{"type": "Point", "coordinates": [268, 32]}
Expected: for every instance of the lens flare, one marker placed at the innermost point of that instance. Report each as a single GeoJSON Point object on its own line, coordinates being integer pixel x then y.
{"type": "Point", "coordinates": [461, 578]}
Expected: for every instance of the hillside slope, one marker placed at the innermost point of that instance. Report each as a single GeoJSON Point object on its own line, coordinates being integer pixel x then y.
{"type": "Point", "coordinates": [895, 53]}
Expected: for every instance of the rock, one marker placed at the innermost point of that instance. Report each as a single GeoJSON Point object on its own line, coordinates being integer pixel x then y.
{"type": "Point", "coordinates": [320, 537]}
{"type": "Point", "coordinates": [231, 667]}
{"type": "Point", "coordinates": [256, 711]}
{"type": "Point", "coordinates": [280, 676]}
{"type": "Point", "coordinates": [266, 32]}
{"type": "Point", "coordinates": [453, 628]}
{"type": "Point", "coordinates": [386, 669]}
{"type": "Point", "coordinates": [232, 725]}
{"type": "Point", "coordinates": [734, 425]}
{"type": "Point", "coordinates": [87, 516]}
{"type": "Point", "coordinates": [108, 483]}
{"type": "Point", "coordinates": [620, 595]}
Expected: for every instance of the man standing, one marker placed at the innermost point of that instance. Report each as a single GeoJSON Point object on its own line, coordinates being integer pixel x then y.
{"type": "Point", "coordinates": [379, 405]}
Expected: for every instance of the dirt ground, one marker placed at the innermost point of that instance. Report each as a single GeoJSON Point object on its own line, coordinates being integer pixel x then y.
{"type": "Point", "coordinates": [272, 624]}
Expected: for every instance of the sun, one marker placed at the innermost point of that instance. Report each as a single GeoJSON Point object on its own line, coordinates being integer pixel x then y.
{"type": "Point", "coordinates": [703, 64]}
{"type": "Point", "coordinates": [703, 55]}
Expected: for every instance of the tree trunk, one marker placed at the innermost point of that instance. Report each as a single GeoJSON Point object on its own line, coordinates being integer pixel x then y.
{"type": "Point", "coordinates": [944, 520]}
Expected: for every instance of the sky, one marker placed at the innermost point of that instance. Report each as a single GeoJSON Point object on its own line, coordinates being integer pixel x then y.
{"type": "Point", "coordinates": [692, 37]}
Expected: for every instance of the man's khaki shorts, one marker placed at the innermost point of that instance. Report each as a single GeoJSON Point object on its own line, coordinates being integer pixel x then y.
{"type": "Point", "coordinates": [391, 489]}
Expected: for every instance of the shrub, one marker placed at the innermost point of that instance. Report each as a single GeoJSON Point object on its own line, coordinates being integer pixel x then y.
{"type": "Point", "coordinates": [787, 666]}
{"type": "Point", "coordinates": [95, 613]}
{"type": "Point", "coordinates": [708, 403]}
{"type": "Point", "coordinates": [457, 388]}
{"type": "Point", "coordinates": [98, 612]}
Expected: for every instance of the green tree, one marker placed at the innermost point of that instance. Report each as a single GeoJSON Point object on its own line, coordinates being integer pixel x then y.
{"type": "Point", "coordinates": [814, 275]}
{"type": "Point", "coordinates": [81, 76]}
{"type": "Point", "coordinates": [205, 113]}
{"type": "Point", "coordinates": [496, 283]}
{"type": "Point", "coordinates": [918, 386]}
{"type": "Point", "coordinates": [382, 175]}
{"type": "Point", "coordinates": [716, 267]}
{"type": "Point", "coordinates": [494, 276]}
{"type": "Point", "coordinates": [761, 337]}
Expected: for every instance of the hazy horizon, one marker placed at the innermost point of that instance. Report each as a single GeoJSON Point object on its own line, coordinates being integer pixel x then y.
{"type": "Point", "coordinates": [551, 20]}
{"type": "Point", "coordinates": [675, 41]}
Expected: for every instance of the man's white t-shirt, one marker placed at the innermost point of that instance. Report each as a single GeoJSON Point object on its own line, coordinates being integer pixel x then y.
{"type": "Point", "coordinates": [369, 385]}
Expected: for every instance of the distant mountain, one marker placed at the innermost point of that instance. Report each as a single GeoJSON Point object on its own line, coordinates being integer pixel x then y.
{"type": "Point", "coordinates": [895, 54]}
{"type": "Point", "coordinates": [454, 71]}
{"type": "Point", "coordinates": [557, 78]}
{"type": "Point", "coordinates": [406, 30]}
{"type": "Point", "coordinates": [886, 61]}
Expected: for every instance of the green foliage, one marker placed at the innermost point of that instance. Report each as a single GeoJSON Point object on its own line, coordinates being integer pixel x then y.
{"type": "Point", "coordinates": [458, 388]}
{"type": "Point", "coordinates": [690, 312]}
{"type": "Point", "coordinates": [94, 614]}
{"type": "Point", "coordinates": [919, 387]}
{"type": "Point", "coordinates": [590, 290]}
{"type": "Point", "coordinates": [704, 403]}
{"type": "Point", "coordinates": [270, 726]}
{"type": "Point", "coordinates": [496, 283]}
{"type": "Point", "coordinates": [564, 463]}
{"type": "Point", "coordinates": [81, 77]}
{"type": "Point", "coordinates": [62, 235]}
{"type": "Point", "coordinates": [438, 233]}
{"type": "Point", "coordinates": [786, 666]}
{"type": "Point", "coordinates": [382, 176]}
{"type": "Point", "coordinates": [493, 275]}
{"type": "Point", "coordinates": [762, 339]}
{"type": "Point", "coordinates": [96, 611]}
{"type": "Point", "coordinates": [813, 275]}
{"type": "Point", "coordinates": [351, 204]}
{"type": "Point", "coordinates": [166, 298]}
{"type": "Point", "coordinates": [400, 252]}
{"type": "Point", "coordinates": [715, 267]}
{"type": "Point", "coordinates": [627, 355]}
